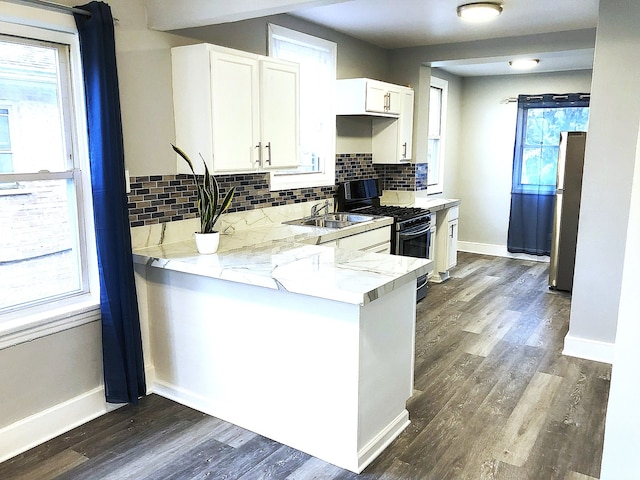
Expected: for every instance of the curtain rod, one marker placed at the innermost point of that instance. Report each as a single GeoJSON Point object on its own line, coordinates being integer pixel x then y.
{"type": "Point", "coordinates": [533, 97]}
{"type": "Point", "coordinates": [55, 6]}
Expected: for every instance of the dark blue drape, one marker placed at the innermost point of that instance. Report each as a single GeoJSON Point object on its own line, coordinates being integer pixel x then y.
{"type": "Point", "coordinates": [121, 339]}
{"type": "Point", "coordinates": [531, 223]}
{"type": "Point", "coordinates": [532, 206]}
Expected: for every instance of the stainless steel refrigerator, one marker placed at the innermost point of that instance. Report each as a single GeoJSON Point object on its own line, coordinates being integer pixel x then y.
{"type": "Point", "coordinates": [567, 210]}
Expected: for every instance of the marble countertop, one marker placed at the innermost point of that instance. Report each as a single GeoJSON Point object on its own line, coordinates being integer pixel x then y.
{"type": "Point", "coordinates": [291, 258]}
{"type": "Point", "coordinates": [436, 204]}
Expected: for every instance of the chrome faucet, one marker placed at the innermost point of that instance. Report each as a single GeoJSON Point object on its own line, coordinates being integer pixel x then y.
{"type": "Point", "coordinates": [317, 208]}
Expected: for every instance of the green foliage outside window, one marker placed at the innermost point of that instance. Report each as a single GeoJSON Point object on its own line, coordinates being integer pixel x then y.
{"type": "Point", "coordinates": [541, 141]}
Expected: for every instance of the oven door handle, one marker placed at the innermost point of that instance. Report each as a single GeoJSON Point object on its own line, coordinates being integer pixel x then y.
{"type": "Point", "coordinates": [414, 232]}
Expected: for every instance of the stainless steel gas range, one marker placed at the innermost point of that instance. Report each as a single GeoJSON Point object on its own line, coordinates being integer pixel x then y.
{"type": "Point", "coordinates": [411, 230]}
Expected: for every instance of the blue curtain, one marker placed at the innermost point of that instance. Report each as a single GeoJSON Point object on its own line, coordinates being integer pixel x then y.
{"type": "Point", "coordinates": [540, 120]}
{"type": "Point", "coordinates": [121, 339]}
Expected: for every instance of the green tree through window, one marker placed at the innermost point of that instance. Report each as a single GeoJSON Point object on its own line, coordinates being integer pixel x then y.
{"type": "Point", "coordinates": [541, 139]}
{"type": "Point", "coordinates": [540, 121]}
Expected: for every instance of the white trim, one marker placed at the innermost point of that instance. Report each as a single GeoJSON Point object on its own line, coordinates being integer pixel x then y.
{"type": "Point", "coordinates": [27, 328]}
{"type": "Point", "coordinates": [381, 441]}
{"type": "Point", "coordinates": [24, 20]}
{"type": "Point", "coordinates": [588, 349]}
{"type": "Point", "coordinates": [47, 424]}
{"type": "Point", "coordinates": [444, 86]}
{"type": "Point", "coordinates": [497, 251]}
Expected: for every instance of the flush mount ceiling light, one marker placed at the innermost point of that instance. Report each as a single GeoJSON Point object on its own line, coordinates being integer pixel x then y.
{"type": "Point", "coordinates": [479, 11]}
{"type": "Point", "coordinates": [524, 63]}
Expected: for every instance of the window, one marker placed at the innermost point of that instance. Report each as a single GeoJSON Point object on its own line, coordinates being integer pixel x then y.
{"type": "Point", "coordinates": [437, 121]}
{"type": "Point", "coordinates": [540, 121]}
{"type": "Point", "coordinates": [6, 161]}
{"type": "Point", "coordinates": [48, 274]}
{"type": "Point", "coordinates": [317, 60]}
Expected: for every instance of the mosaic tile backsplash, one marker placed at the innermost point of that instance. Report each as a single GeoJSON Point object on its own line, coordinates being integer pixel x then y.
{"type": "Point", "coordinates": [167, 198]}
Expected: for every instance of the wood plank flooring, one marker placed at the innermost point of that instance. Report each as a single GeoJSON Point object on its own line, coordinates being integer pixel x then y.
{"type": "Point", "coordinates": [494, 400]}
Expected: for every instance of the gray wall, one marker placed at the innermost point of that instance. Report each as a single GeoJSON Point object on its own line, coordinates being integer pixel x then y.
{"type": "Point", "coordinates": [355, 57]}
{"type": "Point", "coordinates": [48, 371]}
{"type": "Point", "coordinates": [486, 142]}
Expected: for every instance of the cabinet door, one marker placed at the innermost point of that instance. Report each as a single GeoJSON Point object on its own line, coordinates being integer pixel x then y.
{"type": "Point", "coordinates": [384, 140]}
{"type": "Point", "coordinates": [235, 112]}
{"type": "Point", "coordinates": [376, 97]}
{"type": "Point", "coordinates": [452, 248]}
{"type": "Point", "coordinates": [391, 138]}
{"type": "Point", "coordinates": [280, 116]}
{"type": "Point", "coordinates": [405, 125]}
{"type": "Point", "coordinates": [374, 240]}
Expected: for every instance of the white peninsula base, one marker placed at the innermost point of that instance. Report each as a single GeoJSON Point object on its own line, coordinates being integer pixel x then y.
{"type": "Point", "coordinates": [325, 377]}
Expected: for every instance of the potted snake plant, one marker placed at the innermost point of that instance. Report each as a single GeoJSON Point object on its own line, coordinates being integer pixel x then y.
{"type": "Point", "coordinates": [210, 206]}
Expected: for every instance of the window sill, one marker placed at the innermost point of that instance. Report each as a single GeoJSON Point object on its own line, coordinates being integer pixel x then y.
{"type": "Point", "coordinates": [25, 328]}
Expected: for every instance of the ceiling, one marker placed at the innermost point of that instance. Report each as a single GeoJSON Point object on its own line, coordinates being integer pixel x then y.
{"type": "Point", "coordinates": [395, 24]}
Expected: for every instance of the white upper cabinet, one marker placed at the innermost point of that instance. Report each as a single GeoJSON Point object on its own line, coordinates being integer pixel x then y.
{"type": "Point", "coordinates": [392, 139]}
{"type": "Point", "coordinates": [238, 110]}
{"type": "Point", "coordinates": [364, 96]}
{"type": "Point", "coordinates": [279, 114]}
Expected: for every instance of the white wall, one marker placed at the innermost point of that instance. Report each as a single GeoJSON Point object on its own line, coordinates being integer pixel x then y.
{"type": "Point", "coordinates": [620, 459]}
{"type": "Point", "coordinates": [486, 142]}
{"type": "Point", "coordinates": [610, 159]}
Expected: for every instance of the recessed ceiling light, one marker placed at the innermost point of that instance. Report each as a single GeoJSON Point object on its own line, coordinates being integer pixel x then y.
{"type": "Point", "coordinates": [480, 11]}
{"type": "Point", "coordinates": [524, 63]}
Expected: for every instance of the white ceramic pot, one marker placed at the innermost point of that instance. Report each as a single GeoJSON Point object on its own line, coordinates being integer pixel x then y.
{"type": "Point", "coordinates": [207, 243]}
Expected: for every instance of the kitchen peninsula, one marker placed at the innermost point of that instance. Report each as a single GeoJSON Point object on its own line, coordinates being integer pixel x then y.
{"type": "Point", "coordinates": [310, 345]}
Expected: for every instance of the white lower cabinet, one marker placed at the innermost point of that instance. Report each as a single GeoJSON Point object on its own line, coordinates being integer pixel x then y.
{"type": "Point", "coordinates": [452, 244]}
{"type": "Point", "coordinates": [446, 243]}
{"type": "Point", "coordinates": [378, 241]}
{"type": "Point", "coordinates": [432, 245]}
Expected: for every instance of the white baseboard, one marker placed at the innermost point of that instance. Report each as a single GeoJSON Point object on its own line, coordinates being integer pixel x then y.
{"type": "Point", "coordinates": [497, 251]}
{"type": "Point", "coordinates": [371, 451]}
{"type": "Point", "coordinates": [149, 377]}
{"type": "Point", "coordinates": [47, 424]}
{"type": "Point", "coordinates": [588, 349]}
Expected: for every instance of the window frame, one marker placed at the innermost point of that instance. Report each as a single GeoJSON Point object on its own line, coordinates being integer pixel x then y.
{"type": "Point", "coordinates": [526, 103]}
{"type": "Point", "coordinates": [4, 105]}
{"type": "Point", "coordinates": [438, 186]}
{"type": "Point", "coordinates": [48, 317]}
{"type": "Point", "coordinates": [283, 180]}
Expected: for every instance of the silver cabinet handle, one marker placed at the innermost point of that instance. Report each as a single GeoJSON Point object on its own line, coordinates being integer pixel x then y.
{"type": "Point", "coordinates": [268, 147]}
{"type": "Point", "coordinates": [404, 150]}
{"type": "Point", "coordinates": [259, 147]}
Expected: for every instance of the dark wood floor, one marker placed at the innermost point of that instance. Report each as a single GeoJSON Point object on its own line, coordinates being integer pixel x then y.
{"type": "Point", "coordinates": [494, 399]}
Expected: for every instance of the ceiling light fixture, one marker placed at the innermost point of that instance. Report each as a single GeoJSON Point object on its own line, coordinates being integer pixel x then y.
{"type": "Point", "coordinates": [524, 63]}
{"type": "Point", "coordinates": [480, 11]}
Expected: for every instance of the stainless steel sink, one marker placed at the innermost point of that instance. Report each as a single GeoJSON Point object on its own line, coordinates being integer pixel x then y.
{"type": "Point", "coordinates": [331, 220]}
